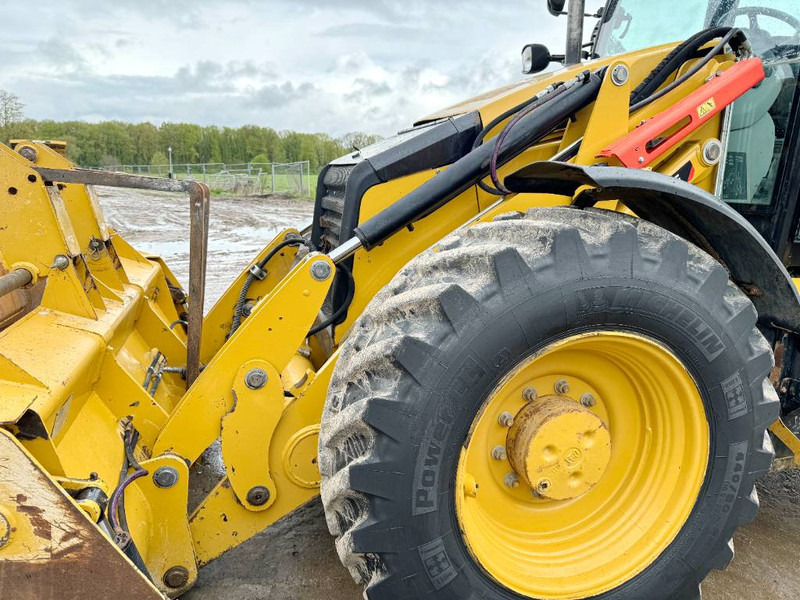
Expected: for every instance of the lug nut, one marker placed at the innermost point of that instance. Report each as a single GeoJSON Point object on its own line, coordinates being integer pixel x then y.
{"type": "Point", "coordinates": [499, 453]}
{"type": "Point", "coordinates": [506, 419]}
{"type": "Point", "coordinates": [511, 480]}
{"type": "Point", "coordinates": [255, 379]}
{"type": "Point", "coordinates": [588, 400]}
{"type": "Point", "coordinates": [561, 387]}
{"type": "Point", "coordinates": [165, 477]}
{"type": "Point", "coordinates": [529, 394]}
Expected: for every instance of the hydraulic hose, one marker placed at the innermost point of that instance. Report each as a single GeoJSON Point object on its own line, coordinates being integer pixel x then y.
{"type": "Point", "coordinates": [475, 166]}
{"type": "Point", "coordinates": [351, 291]}
{"type": "Point", "coordinates": [515, 114]}
{"type": "Point", "coordinates": [690, 73]}
{"type": "Point", "coordinates": [116, 515]}
{"type": "Point", "coordinates": [501, 139]}
{"type": "Point", "coordinates": [673, 61]}
{"type": "Point", "coordinates": [239, 306]}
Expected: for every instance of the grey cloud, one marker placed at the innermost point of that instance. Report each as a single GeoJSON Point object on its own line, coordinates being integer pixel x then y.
{"type": "Point", "coordinates": [373, 30]}
{"type": "Point", "coordinates": [60, 55]}
{"type": "Point", "coordinates": [273, 95]}
{"type": "Point", "coordinates": [364, 89]}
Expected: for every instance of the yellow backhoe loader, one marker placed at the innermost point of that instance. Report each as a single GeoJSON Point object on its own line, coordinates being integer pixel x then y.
{"type": "Point", "coordinates": [541, 345]}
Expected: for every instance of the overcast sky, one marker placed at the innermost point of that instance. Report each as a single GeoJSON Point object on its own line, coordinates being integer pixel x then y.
{"type": "Point", "coordinates": [331, 66]}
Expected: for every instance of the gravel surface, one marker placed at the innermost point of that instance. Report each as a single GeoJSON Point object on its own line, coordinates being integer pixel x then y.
{"type": "Point", "coordinates": [295, 559]}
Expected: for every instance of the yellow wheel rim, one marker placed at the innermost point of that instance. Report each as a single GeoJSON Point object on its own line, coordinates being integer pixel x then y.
{"type": "Point", "coordinates": [583, 465]}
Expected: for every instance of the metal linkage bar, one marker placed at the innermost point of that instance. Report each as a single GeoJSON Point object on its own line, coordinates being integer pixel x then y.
{"type": "Point", "coordinates": [198, 238]}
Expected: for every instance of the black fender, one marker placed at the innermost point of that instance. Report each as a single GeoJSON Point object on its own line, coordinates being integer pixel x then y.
{"type": "Point", "coordinates": [687, 211]}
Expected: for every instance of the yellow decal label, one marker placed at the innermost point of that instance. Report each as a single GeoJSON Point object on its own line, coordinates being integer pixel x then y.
{"type": "Point", "coordinates": [706, 107]}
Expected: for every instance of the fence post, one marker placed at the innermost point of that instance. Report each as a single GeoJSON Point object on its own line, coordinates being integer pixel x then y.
{"type": "Point", "coordinates": [273, 179]}
{"type": "Point", "coordinates": [301, 180]}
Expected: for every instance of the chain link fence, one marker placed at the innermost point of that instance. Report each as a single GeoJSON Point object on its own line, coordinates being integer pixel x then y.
{"type": "Point", "coordinates": [244, 179]}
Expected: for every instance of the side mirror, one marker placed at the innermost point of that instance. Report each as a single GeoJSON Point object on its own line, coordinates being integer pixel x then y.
{"type": "Point", "coordinates": [536, 58]}
{"type": "Point", "coordinates": [556, 7]}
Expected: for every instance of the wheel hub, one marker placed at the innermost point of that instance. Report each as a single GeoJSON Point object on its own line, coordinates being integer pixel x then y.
{"type": "Point", "coordinates": [549, 511]}
{"type": "Point", "coordinates": [559, 448]}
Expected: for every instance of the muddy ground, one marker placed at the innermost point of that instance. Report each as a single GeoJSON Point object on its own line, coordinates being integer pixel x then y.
{"type": "Point", "coordinates": [295, 559]}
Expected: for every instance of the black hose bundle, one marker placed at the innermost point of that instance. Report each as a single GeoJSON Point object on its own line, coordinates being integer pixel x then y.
{"type": "Point", "coordinates": [251, 277]}
{"type": "Point", "coordinates": [673, 61]}
{"type": "Point", "coordinates": [733, 36]}
{"type": "Point", "coordinates": [645, 93]}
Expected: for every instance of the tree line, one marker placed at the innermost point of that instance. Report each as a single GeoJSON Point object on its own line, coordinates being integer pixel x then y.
{"type": "Point", "coordinates": [112, 143]}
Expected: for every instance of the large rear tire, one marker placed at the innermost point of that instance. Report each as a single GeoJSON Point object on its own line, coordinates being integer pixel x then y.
{"type": "Point", "coordinates": [661, 357]}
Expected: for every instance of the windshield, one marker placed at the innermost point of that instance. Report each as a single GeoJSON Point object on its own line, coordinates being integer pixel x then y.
{"type": "Point", "coordinates": [634, 24]}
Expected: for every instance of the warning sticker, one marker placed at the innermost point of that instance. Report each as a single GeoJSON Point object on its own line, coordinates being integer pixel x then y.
{"type": "Point", "coordinates": [706, 107]}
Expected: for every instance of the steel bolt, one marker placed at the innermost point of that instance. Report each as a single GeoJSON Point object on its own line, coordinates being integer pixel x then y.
{"type": "Point", "coordinates": [248, 308]}
{"type": "Point", "coordinates": [543, 485]}
{"type": "Point", "coordinates": [511, 480]}
{"type": "Point", "coordinates": [506, 419]}
{"type": "Point", "coordinates": [176, 577]}
{"type": "Point", "coordinates": [529, 394]}
{"type": "Point", "coordinates": [561, 387]}
{"type": "Point", "coordinates": [166, 477]}
{"type": "Point", "coordinates": [499, 453]}
{"type": "Point", "coordinates": [96, 244]}
{"type": "Point", "coordinates": [61, 262]}
{"type": "Point", "coordinates": [255, 379]}
{"type": "Point", "coordinates": [588, 400]}
{"type": "Point", "coordinates": [321, 270]}
{"type": "Point", "coordinates": [619, 75]}
{"type": "Point", "coordinates": [712, 151]}
{"type": "Point", "coordinates": [258, 496]}
{"type": "Point", "coordinates": [122, 539]}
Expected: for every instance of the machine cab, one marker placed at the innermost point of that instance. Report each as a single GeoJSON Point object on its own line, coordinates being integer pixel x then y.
{"type": "Point", "coordinates": [759, 177]}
